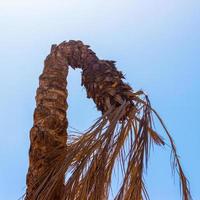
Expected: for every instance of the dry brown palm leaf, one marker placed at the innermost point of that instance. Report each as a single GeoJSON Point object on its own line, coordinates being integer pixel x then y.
{"type": "Point", "coordinates": [95, 153]}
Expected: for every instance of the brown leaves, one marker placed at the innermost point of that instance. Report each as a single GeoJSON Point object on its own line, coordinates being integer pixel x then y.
{"type": "Point", "coordinates": [156, 138]}
{"type": "Point", "coordinates": [92, 157]}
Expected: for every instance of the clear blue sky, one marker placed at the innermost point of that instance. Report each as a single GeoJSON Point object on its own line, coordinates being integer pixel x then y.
{"type": "Point", "coordinates": [156, 43]}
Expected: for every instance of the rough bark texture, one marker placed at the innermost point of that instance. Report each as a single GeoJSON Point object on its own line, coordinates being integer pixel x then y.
{"type": "Point", "coordinates": [50, 122]}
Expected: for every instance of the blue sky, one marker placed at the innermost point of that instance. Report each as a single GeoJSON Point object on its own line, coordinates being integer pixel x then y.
{"type": "Point", "coordinates": [156, 43]}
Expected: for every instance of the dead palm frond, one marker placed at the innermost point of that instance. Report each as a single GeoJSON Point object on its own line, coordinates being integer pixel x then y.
{"type": "Point", "coordinates": [91, 158]}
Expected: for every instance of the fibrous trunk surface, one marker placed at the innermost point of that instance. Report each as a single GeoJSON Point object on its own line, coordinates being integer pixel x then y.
{"type": "Point", "coordinates": [91, 157]}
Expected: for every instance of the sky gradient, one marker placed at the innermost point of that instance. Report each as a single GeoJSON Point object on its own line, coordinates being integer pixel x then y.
{"type": "Point", "coordinates": [155, 43]}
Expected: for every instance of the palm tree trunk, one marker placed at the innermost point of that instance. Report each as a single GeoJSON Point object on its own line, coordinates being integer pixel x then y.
{"type": "Point", "coordinates": [125, 116]}
{"type": "Point", "coordinates": [50, 123]}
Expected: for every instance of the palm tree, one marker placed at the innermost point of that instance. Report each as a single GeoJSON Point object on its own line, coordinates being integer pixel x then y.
{"type": "Point", "coordinates": [80, 167]}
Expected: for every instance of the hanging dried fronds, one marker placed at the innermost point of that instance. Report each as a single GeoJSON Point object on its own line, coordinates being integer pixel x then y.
{"type": "Point", "coordinates": [83, 169]}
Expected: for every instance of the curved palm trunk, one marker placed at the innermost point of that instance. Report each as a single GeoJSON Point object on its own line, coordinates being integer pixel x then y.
{"type": "Point", "coordinates": [126, 118]}
{"type": "Point", "coordinates": [50, 122]}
